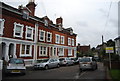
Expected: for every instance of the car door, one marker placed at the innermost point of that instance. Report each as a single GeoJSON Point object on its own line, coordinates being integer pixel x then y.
{"type": "Point", "coordinates": [51, 63]}
{"type": "Point", "coordinates": [68, 61]}
{"type": "Point", "coordinates": [55, 62]}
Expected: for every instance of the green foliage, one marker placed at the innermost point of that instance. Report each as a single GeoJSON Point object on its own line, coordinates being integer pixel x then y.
{"type": "Point", "coordinates": [115, 74]}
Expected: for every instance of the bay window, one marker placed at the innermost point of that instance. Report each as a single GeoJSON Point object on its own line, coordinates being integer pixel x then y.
{"type": "Point", "coordinates": [42, 51]}
{"type": "Point", "coordinates": [26, 50]}
{"type": "Point", "coordinates": [69, 52]}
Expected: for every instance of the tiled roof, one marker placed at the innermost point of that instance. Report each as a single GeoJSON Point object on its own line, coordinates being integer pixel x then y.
{"type": "Point", "coordinates": [117, 38]}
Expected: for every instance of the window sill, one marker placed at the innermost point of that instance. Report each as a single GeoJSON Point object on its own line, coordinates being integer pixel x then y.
{"type": "Point", "coordinates": [18, 36]}
{"type": "Point", "coordinates": [43, 55]}
{"type": "Point", "coordinates": [29, 38]}
{"type": "Point", "coordinates": [42, 40]}
{"type": "Point", "coordinates": [25, 55]}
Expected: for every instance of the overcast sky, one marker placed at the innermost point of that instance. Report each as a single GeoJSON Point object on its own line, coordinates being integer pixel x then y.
{"type": "Point", "coordinates": [87, 17]}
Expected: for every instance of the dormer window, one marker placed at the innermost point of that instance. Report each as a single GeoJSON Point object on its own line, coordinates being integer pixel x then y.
{"type": "Point", "coordinates": [60, 28]}
{"type": "Point", "coordinates": [71, 32]}
{"type": "Point", "coordinates": [45, 22]}
{"type": "Point", "coordinates": [25, 14]}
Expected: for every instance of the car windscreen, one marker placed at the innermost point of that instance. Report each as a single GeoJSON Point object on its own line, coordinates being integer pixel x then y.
{"type": "Point", "coordinates": [85, 60]}
{"type": "Point", "coordinates": [16, 61]}
{"type": "Point", "coordinates": [74, 59]}
{"type": "Point", "coordinates": [61, 59]}
{"type": "Point", "coordinates": [42, 61]}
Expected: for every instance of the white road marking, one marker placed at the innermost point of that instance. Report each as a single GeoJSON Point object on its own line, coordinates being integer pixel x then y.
{"type": "Point", "coordinates": [79, 74]}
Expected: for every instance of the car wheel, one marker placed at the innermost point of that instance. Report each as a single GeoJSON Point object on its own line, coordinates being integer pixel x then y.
{"type": "Point", "coordinates": [66, 64]}
{"type": "Point", "coordinates": [96, 67]}
{"type": "Point", "coordinates": [46, 67]}
{"type": "Point", "coordinates": [58, 65]}
{"type": "Point", "coordinates": [80, 69]}
{"type": "Point", "coordinates": [23, 73]}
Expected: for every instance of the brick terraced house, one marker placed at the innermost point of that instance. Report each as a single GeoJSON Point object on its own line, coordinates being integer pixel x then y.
{"type": "Point", "coordinates": [24, 35]}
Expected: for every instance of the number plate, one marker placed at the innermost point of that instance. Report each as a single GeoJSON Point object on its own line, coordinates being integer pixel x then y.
{"type": "Point", "coordinates": [15, 71]}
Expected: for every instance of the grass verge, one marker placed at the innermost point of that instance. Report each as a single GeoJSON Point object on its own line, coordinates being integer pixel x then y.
{"type": "Point", "coordinates": [115, 74]}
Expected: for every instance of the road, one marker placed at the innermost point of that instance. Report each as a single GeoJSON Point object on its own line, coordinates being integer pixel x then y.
{"type": "Point", "coordinates": [69, 72]}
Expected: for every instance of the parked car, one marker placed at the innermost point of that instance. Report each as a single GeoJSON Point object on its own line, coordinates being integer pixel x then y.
{"type": "Point", "coordinates": [75, 60]}
{"type": "Point", "coordinates": [66, 61]}
{"type": "Point", "coordinates": [46, 63]}
{"type": "Point", "coordinates": [97, 59]}
{"type": "Point", "coordinates": [15, 65]}
{"type": "Point", "coordinates": [87, 63]}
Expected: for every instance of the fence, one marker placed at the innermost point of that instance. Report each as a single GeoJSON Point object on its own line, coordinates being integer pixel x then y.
{"type": "Point", "coordinates": [114, 64]}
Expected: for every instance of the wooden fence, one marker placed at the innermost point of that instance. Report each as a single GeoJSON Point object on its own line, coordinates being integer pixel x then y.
{"type": "Point", "coordinates": [114, 64]}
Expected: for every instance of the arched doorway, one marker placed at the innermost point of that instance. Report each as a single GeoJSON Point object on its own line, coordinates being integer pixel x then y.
{"type": "Point", "coordinates": [3, 46]}
{"type": "Point", "coordinates": [11, 50]}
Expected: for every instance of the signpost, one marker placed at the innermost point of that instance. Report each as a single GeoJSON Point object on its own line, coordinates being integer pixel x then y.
{"type": "Point", "coordinates": [109, 50]}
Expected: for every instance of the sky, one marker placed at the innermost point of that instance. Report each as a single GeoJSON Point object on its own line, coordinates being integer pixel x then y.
{"type": "Point", "coordinates": [90, 19]}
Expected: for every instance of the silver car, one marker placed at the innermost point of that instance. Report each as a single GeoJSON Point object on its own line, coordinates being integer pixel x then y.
{"type": "Point", "coordinates": [87, 63]}
{"type": "Point", "coordinates": [66, 61]}
{"type": "Point", "coordinates": [46, 63]}
{"type": "Point", "coordinates": [15, 65]}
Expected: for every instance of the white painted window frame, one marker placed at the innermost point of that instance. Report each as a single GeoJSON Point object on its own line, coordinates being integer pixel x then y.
{"type": "Point", "coordinates": [15, 24]}
{"type": "Point", "coordinates": [42, 50]}
{"type": "Point", "coordinates": [61, 54]}
{"type": "Point", "coordinates": [25, 55]}
{"type": "Point", "coordinates": [29, 27]}
{"type": "Point", "coordinates": [2, 26]}
{"type": "Point", "coordinates": [55, 51]}
{"type": "Point", "coordinates": [57, 37]}
{"type": "Point", "coordinates": [69, 41]}
{"type": "Point", "coordinates": [69, 52]}
{"type": "Point", "coordinates": [73, 42]}
{"type": "Point", "coordinates": [62, 40]}
{"type": "Point", "coordinates": [48, 37]}
{"type": "Point", "coordinates": [40, 35]}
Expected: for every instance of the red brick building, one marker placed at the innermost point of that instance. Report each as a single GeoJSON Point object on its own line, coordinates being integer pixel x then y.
{"type": "Point", "coordinates": [83, 49]}
{"type": "Point", "coordinates": [27, 36]}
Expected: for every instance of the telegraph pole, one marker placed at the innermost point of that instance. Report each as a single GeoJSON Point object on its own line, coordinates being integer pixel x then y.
{"type": "Point", "coordinates": [102, 39]}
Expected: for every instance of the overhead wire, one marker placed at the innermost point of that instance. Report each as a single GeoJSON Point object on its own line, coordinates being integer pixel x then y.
{"type": "Point", "coordinates": [107, 19]}
{"type": "Point", "coordinates": [44, 7]}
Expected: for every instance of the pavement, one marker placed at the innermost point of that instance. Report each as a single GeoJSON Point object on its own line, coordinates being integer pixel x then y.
{"type": "Point", "coordinates": [108, 77]}
{"type": "Point", "coordinates": [0, 75]}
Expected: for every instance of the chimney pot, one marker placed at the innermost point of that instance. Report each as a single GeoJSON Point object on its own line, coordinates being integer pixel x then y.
{"type": "Point", "coordinates": [59, 21]}
{"type": "Point", "coordinates": [31, 6]}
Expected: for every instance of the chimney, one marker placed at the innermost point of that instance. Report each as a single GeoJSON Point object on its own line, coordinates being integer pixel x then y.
{"type": "Point", "coordinates": [59, 21]}
{"type": "Point", "coordinates": [31, 6]}
{"type": "Point", "coordinates": [78, 44]}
